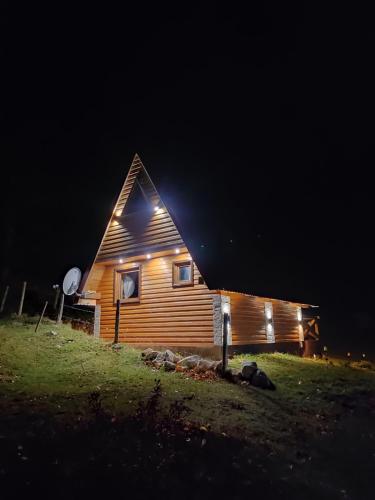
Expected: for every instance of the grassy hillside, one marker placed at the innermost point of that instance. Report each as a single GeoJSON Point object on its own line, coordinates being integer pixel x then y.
{"type": "Point", "coordinates": [70, 383]}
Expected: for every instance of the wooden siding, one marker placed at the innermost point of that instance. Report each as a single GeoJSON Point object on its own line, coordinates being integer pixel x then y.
{"type": "Point", "coordinates": [159, 232]}
{"type": "Point", "coordinates": [248, 324]}
{"type": "Point", "coordinates": [165, 315]}
{"type": "Point", "coordinates": [247, 319]}
{"type": "Point", "coordinates": [285, 322]}
{"type": "Point", "coordinates": [138, 233]}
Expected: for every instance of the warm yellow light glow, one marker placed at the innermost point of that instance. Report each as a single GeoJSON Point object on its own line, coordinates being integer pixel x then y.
{"type": "Point", "coordinates": [177, 250]}
{"type": "Point", "coordinates": [156, 208]}
{"type": "Point", "coordinates": [121, 261]}
{"type": "Point", "coordinates": [118, 213]}
{"type": "Point", "coordinates": [268, 310]}
{"type": "Point", "coordinates": [299, 314]}
{"type": "Point", "coordinates": [226, 308]}
{"type": "Point", "coordinates": [148, 256]}
{"type": "Point", "coordinates": [115, 223]}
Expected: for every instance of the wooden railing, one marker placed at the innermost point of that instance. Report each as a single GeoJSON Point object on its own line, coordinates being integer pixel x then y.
{"type": "Point", "coordinates": [311, 328]}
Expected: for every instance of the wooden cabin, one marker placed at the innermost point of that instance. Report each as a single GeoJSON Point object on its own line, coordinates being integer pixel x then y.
{"type": "Point", "coordinates": [165, 299]}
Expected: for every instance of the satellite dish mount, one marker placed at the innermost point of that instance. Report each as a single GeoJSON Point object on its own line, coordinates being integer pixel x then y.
{"type": "Point", "coordinates": [71, 281]}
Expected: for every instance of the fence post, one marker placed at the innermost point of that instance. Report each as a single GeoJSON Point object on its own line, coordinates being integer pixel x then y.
{"type": "Point", "coordinates": [61, 308]}
{"type": "Point", "coordinates": [41, 316]}
{"type": "Point", "coordinates": [56, 297]}
{"type": "Point", "coordinates": [22, 298]}
{"type": "Point", "coordinates": [4, 299]}
{"type": "Point", "coordinates": [117, 324]}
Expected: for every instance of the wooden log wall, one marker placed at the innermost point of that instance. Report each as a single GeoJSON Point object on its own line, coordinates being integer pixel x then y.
{"type": "Point", "coordinates": [248, 320]}
{"type": "Point", "coordinates": [285, 322]}
{"type": "Point", "coordinates": [165, 315]}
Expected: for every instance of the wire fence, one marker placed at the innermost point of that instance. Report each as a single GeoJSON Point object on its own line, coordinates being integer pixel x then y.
{"type": "Point", "coordinates": [25, 299]}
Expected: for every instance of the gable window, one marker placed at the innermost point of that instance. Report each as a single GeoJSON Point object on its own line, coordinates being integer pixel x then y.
{"type": "Point", "coordinates": [183, 273]}
{"type": "Point", "coordinates": [127, 285]}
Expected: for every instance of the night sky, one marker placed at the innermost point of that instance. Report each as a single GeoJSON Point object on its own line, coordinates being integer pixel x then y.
{"type": "Point", "coordinates": [256, 125]}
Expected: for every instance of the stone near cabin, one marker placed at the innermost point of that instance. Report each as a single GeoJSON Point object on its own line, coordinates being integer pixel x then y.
{"type": "Point", "coordinates": [146, 351]}
{"type": "Point", "coordinates": [151, 355]}
{"type": "Point", "coordinates": [204, 365]}
{"type": "Point", "coordinates": [51, 333]}
{"type": "Point", "coordinates": [116, 347]}
{"type": "Point", "coordinates": [248, 369]}
{"type": "Point", "coordinates": [218, 366]}
{"type": "Point", "coordinates": [171, 356]}
{"type": "Point", "coordinates": [169, 366]}
{"type": "Point", "coordinates": [190, 362]}
{"type": "Point", "coordinates": [260, 379]}
{"type": "Point", "coordinates": [160, 357]}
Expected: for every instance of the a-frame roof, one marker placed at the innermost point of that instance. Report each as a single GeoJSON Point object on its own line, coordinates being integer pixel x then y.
{"type": "Point", "coordinates": [140, 222]}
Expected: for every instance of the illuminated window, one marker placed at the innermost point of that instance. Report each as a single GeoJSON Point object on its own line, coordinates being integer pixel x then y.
{"type": "Point", "coordinates": [127, 285]}
{"type": "Point", "coordinates": [183, 273]}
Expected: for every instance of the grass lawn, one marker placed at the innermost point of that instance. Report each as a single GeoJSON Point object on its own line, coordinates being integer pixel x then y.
{"type": "Point", "coordinates": [78, 414]}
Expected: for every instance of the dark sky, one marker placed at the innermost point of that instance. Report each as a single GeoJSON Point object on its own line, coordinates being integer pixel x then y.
{"type": "Point", "coordinates": [256, 124]}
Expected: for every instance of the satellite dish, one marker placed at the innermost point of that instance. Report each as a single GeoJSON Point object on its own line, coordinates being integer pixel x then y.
{"type": "Point", "coordinates": [71, 281]}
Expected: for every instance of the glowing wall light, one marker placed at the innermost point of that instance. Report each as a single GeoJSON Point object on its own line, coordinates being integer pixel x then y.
{"type": "Point", "coordinates": [226, 308]}
{"type": "Point", "coordinates": [268, 313]}
{"type": "Point", "coordinates": [299, 314]}
{"type": "Point", "coordinates": [300, 326]}
{"type": "Point", "coordinates": [177, 250]}
{"type": "Point", "coordinates": [148, 256]}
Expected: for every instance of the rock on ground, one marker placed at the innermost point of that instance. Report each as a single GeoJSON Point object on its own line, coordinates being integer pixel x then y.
{"type": "Point", "coordinates": [151, 355]}
{"type": "Point", "coordinates": [171, 356]}
{"type": "Point", "coordinates": [260, 379]}
{"type": "Point", "coordinates": [190, 361]}
{"type": "Point", "coordinates": [204, 365]}
{"type": "Point", "coordinates": [169, 366]}
{"type": "Point", "coordinates": [248, 369]}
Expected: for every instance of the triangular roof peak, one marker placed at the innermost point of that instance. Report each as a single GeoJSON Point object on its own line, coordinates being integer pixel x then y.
{"type": "Point", "coordinates": [147, 229]}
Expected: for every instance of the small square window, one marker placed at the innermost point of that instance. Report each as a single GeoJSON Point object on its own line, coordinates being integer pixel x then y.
{"type": "Point", "coordinates": [183, 273]}
{"type": "Point", "coordinates": [127, 285]}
